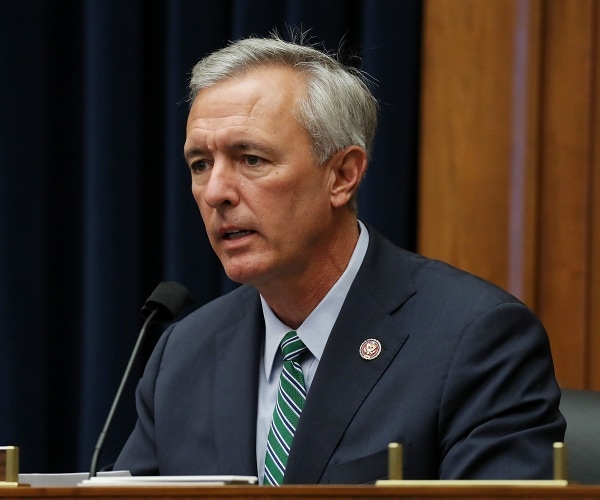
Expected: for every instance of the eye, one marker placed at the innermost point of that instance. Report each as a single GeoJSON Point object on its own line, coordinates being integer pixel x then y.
{"type": "Point", "coordinates": [199, 166]}
{"type": "Point", "coordinates": [253, 161]}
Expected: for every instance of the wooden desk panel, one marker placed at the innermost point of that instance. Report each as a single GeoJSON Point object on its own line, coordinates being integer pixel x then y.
{"type": "Point", "coordinates": [302, 492]}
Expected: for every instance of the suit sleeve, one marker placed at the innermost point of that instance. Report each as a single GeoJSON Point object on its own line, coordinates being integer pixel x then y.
{"type": "Point", "coordinates": [499, 414]}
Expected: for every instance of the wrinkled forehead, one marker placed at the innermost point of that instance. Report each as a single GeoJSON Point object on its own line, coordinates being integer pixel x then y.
{"type": "Point", "coordinates": [254, 108]}
{"type": "Point", "coordinates": [269, 93]}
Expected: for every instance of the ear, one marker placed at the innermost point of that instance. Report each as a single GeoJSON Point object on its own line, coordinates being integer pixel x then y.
{"type": "Point", "coordinates": [348, 167]}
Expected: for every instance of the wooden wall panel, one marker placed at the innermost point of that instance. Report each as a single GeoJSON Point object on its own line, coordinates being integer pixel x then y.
{"type": "Point", "coordinates": [479, 139]}
{"type": "Point", "coordinates": [465, 134]}
{"type": "Point", "coordinates": [565, 194]}
{"type": "Point", "coordinates": [510, 175]}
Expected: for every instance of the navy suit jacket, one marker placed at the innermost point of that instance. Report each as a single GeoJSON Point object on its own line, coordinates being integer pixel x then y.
{"type": "Point", "coordinates": [465, 382]}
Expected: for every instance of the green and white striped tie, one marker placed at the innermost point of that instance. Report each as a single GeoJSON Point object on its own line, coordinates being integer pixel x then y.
{"type": "Point", "coordinates": [290, 400]}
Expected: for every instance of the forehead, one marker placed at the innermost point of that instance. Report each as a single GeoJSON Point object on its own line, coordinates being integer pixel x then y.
{"type": "Point", "coordinates": [263, 87]}
{"type": "Point", "coordinates": [260, 99]}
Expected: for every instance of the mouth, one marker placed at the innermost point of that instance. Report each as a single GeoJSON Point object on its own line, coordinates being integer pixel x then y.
{"type": "Point", "coordinates": [234, 235]}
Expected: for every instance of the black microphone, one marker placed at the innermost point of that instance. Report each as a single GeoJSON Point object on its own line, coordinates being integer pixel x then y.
{"type": "Point", "coordinates": [164, 304]}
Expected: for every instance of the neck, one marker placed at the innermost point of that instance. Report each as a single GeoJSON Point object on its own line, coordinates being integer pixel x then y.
{"type": "Point", "coordinates": [293, 300]}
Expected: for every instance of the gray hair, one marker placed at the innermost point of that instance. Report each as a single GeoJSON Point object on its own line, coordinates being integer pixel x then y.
{"type": "Point", "coordinates": [337, 110]}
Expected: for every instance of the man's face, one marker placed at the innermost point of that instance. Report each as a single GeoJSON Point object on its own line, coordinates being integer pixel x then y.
{"type": "Point", "coordinates": [263, 199]}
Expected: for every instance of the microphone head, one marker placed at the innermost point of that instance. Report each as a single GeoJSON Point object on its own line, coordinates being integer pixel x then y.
{"type": "Point", "coordinates": [168, 299]}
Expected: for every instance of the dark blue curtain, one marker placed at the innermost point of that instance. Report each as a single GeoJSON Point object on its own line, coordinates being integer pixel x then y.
{"type": "Point", "coordinates": [95, 205]}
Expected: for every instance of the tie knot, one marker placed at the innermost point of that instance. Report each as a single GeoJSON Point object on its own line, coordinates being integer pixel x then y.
{"type": "Point", "coordinates": [292, 346]}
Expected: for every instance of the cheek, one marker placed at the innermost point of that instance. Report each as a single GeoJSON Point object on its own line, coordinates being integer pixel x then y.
{"type": "Point", "coordinates": [311, 194]}
{"type": "Point", "coordinates": [197, 194]}
{"type": "Point", "coordinates": [203, 208]}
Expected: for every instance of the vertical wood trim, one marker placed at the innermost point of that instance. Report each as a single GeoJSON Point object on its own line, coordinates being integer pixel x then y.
{"type": "Point", "coordinates": [524, 167]}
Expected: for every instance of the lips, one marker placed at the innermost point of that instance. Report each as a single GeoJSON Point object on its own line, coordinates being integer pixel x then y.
{"type": "Point", "coordinates": [234, 235]}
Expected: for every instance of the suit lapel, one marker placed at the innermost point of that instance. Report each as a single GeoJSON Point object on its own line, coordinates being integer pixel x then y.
{"type": "Point", "coordinates": [237, 355]}
{"type": "Point", "coordinates": [343, 379]}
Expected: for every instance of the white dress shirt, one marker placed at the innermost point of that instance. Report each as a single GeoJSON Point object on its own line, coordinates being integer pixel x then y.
{"type": "Point", "coordinates": [314, 332]}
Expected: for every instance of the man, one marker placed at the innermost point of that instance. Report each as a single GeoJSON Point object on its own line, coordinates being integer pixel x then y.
{"type": "Point", "coordinates": [400, 348]}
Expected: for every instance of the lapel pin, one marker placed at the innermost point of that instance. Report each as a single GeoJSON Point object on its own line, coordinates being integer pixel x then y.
{"type": "Point", "coordinates": [370, 349]}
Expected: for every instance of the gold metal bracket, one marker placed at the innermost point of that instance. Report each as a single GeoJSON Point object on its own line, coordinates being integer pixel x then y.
{"type": "Point", "coordinates": [9, 466]}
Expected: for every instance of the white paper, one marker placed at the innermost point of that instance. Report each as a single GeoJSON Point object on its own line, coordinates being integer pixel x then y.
{"type": "Point", "coordinates": [65, 479]}
{"type": "Point", "coordinates": [168, 480]}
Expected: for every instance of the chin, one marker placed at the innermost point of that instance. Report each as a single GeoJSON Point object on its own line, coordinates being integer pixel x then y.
{"type": "Point", "coordinates": [252, 269]}
{"type": "Point", "coordinates": [242, 274]}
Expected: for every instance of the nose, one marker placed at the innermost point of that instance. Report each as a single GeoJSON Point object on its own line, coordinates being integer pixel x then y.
{"type": "Point", "coordinates": [221, 187]}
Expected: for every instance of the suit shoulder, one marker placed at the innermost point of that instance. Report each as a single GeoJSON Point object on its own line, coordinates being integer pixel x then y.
{"type": "Point", "coordinates": [222, 311]}
{"type": "Point", "coordinates": [395, 276]}
{"type": "Point", "coordinates": [455, 285]}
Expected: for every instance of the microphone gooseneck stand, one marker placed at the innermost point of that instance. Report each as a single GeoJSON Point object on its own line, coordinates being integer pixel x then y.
{"type": "Point", "coordinates": [164, 304]}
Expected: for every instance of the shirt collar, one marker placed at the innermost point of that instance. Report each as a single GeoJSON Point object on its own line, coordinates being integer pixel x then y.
{"type": "Point", "coordinates": [315, 330]}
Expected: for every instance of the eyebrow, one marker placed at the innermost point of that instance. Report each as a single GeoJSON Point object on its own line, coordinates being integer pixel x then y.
{"type": "Point", "coordinates": [246, 146]}
{"type": "Point", "coordinates": [192, 152]}
{"type": "Point", "coordinates": [241, 146]}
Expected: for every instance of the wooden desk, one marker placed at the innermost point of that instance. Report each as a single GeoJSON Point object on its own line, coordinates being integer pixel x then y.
{"type": "Point", "coordinates": [301, 492]}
